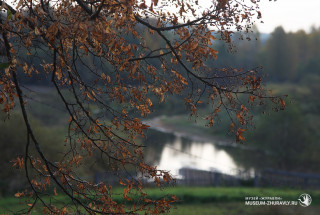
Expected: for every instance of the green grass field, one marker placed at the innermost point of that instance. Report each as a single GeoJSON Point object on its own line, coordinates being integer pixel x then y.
{"type": "Point", "coordinates": [204, 200]}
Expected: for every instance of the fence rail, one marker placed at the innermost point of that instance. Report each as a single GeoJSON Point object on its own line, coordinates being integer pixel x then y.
{"type": "Point", "coordinates": [264, 178]}
{"type": "Point", "coordinates": [280, 178]}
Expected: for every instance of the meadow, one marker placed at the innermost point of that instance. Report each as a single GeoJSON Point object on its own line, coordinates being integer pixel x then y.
{"type": "Point", "coordinates": [202, 200]}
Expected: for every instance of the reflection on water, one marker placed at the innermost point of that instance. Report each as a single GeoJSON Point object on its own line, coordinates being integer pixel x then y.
{"type": "Point", "coordinates": [202, 156]}
{"type": "Point", "coordinates": [170, 152]}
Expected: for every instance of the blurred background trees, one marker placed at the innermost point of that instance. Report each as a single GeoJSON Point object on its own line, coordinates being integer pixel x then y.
{"type": "Point", "coordinates": [291, 66]}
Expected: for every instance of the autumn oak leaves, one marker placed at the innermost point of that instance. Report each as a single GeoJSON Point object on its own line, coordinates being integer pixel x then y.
{"type": "Point", "coordinates": [95, 55]}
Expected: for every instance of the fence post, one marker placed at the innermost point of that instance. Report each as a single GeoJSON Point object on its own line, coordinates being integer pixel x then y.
{"type": "Point", "coordinates": [306, 182]}
{"type": "Point", "coordinates": [216, 179]}
{"type": "Point", "coordinates": [256, 181]}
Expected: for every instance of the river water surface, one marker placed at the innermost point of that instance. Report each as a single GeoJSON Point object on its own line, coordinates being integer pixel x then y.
{"type": "Point", "coordinates": [172, 151]}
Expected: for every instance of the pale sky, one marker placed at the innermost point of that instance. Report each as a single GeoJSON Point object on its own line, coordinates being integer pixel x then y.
{"type": "Point", "coordinates": [293, 15]}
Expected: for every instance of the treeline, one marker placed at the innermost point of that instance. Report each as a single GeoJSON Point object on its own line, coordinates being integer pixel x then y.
{"type": "Point", "coordinates": [292, 56]}
{"type": "Point", "coordinates": [285, 56]}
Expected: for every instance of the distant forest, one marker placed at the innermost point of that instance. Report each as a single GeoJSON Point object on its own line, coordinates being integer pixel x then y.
{"type": "Point", "coordinates": [284, 56]}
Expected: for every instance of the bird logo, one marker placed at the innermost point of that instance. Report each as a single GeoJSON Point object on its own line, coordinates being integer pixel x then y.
{"type": "Point", "coordinates": [305, 200]}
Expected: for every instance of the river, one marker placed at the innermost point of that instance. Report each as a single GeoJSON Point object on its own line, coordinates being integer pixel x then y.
{"type": "Point", "coordinates": [172, 150]}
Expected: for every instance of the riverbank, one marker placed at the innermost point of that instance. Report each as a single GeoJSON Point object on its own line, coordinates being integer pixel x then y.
{"type": "Point", "coordinates": [190, 130]}
{"type": "Point", "coordinates": [181, 126]}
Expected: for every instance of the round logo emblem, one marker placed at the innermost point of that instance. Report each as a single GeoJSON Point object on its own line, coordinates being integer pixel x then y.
{"type": "Point", "coordinates": [305, 200]}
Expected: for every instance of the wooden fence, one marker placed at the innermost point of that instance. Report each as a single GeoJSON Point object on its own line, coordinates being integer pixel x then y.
{"type": "Point", "coordinates": [264, 178]}
{"type": "Point", "coordinates": [279, 178]}
{"type": "Point", "coordinates": [193, 177]}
